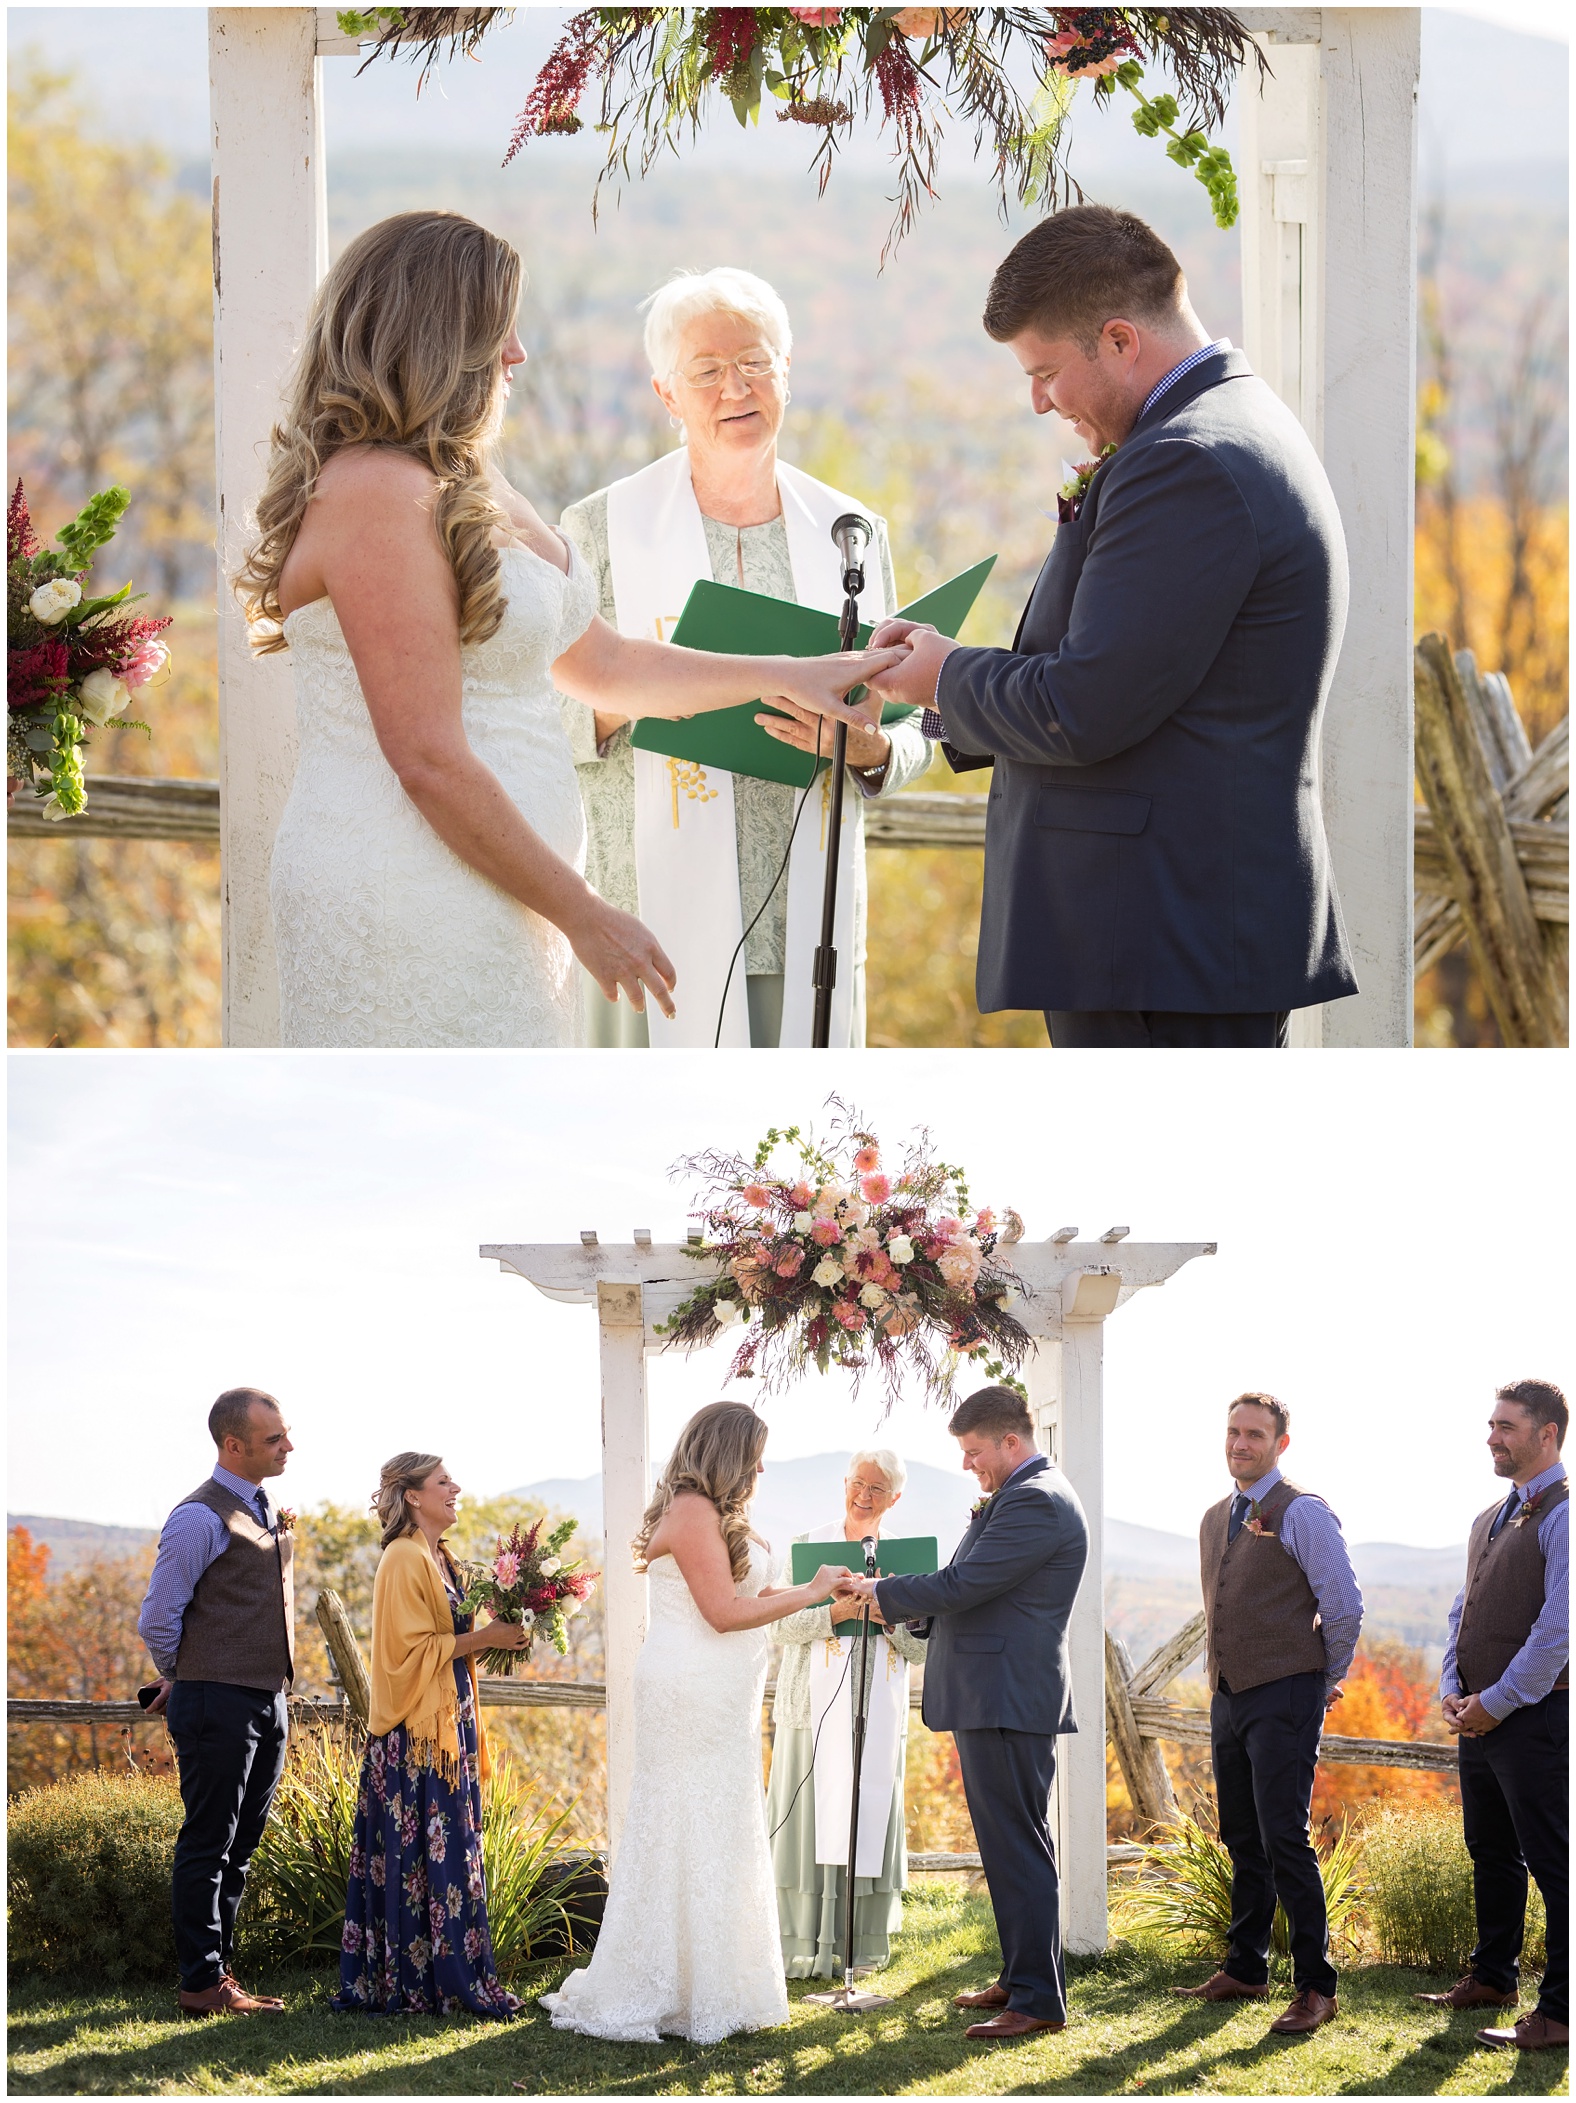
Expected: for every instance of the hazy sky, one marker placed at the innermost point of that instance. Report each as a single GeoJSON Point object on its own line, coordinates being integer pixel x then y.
{"type": "Point", "coordinates": [184, 1222]}
{"type": "Point", "coordinates": [1485, 99]}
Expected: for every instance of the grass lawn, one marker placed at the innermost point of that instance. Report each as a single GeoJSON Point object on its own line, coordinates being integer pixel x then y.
{"type": "Point", "coordinates": [1125, 2036]}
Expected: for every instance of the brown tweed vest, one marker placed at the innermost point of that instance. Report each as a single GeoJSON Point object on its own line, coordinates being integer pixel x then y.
{"type": "Point", "coordinates": [1259, 1610]}
{"type": "Point", "coordinates": [1504, 1592]}
{"type": "Point", "coordinates": [240, 1625]}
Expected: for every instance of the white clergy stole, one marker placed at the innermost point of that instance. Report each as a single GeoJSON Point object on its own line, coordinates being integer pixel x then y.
{"type": "Point", "coordinates": [832, 1716]}
{"type": "Point", "coordinates": [686, 845]}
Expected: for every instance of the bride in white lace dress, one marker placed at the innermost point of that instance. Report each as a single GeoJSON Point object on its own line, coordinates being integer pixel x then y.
{"type": "Point", "coordinates": [689, 1946]}
{"type": "Point", "coordinates": [427, 879]}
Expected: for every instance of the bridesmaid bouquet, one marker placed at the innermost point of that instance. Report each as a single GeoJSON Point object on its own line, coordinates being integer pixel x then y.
{"type": "Point", "coordinates": [528, 1582]}
{"type": "Point", "coordinates": [72, 661]}
{"type": "Point", "coordinates": [843, 1263]}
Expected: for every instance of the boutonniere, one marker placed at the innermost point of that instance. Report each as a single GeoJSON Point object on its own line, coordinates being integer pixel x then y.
{"type": "Point", "coordinates": [1529, 1509]}
{"type": "Point", "coordinates": [284, 1519]}
{"type": "Point", "coordinates": [976, 1509]}
{"type": "Point", "coordinates": [1254, 1524]}
{"type": "Point", "coordinates": [1070, 497]}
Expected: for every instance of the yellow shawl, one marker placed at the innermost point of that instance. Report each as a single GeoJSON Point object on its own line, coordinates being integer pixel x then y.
{"type": "Point", "coordinates": [412, 1659]}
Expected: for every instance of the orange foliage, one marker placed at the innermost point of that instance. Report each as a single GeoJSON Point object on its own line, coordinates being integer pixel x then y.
{"type": "Point", "coordinates": [1390, 1693]}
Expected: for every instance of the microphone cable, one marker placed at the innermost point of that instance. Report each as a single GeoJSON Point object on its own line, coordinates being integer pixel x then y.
{"type": "Point", "coordinates": [771, 892]}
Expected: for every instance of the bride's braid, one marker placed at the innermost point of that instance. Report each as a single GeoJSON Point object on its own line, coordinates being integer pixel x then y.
{"type": "Point", "coordinates": [717, 1457]}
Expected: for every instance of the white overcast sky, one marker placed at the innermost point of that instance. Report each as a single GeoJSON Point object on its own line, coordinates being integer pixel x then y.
{"type": "Point", "coordinates": [1394, 1239]}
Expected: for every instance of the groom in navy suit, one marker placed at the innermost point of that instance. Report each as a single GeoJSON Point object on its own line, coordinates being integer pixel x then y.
{"type": "Point", "coordinates": [1156, 868]}
{"type": "Point", "coordinates": [997, 1677]}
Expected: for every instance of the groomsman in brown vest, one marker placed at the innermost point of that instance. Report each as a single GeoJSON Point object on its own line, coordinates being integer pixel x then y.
{"type": "Point", "coordinates": [1505, 1686]}
{"type": "Point", "coordinates": [219, 1623]}
{"type": "Point", "coordinates": [1283, 1611]}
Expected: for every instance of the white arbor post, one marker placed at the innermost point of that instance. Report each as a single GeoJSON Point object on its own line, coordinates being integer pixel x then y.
{"type": "Point", "coordinates": [270, 240]}
{"type": "Point", "coordinates": [1328, 158]}
{"type": "Point", "coordinates": [1072, 1287]}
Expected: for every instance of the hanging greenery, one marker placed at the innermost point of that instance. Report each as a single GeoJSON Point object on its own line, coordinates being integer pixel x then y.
{"type": "Point", "coordinates": [1011, 72]}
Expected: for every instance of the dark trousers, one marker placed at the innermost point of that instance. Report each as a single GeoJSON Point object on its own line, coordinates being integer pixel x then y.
{"type": "Point", "coordinates": [230, 1744]}
{"type": "Point", "coordinates": [1264, 1745]}
{"type": "Point", "coordinates": [1007, 1777]}
{"type": "Point", "coordinates": [1128, 1029]}
{"type": "Point", "coordinates": [1516, 1816]}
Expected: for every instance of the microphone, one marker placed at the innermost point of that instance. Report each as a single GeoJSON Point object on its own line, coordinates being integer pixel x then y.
{"type": "Point", "coordinates": [868, 1544]}
{"type": "Point", "coordinates": [851, 535]}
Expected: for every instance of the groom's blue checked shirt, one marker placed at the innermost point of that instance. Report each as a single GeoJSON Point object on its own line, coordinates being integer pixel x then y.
{"type": "Point", "coordinates": [930, 723]}
{"type": "Point", "coordinates": [193, 1537]}
{"type": "Point", "coordinates": [1311, 1535]}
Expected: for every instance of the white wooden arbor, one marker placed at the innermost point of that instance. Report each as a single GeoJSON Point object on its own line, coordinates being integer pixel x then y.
{"type": "Point", "coordinates": [1072, 1287]}
{"type": "Point", "coordinates": [1328, 228]}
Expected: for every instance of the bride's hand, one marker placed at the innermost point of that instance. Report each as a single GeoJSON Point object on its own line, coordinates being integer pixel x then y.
{"type": "Point", "coordinates": [826, 1580]}
{"type": "Point", "coordinates": [819, 683]}
{"type": "Point", "coordinates": [622, 954]}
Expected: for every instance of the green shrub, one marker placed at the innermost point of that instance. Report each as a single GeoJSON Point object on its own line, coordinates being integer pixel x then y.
{"type": "Point", "coordinates": [295, 1903]}
{"type": "Point", "coordinates": [1419, 1896]}
{"type": "Point", "coordinates": [1184, 1892]}
{"type": "Point", "coordinates": [88, 1875]}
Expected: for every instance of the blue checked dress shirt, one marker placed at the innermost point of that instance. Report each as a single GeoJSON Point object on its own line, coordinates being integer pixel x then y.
{"type": "Point", "coordinates": [193, 1537]}
{"type": "Point", "coordinates": [1532, 1672]}
{"type": "Point", "coordinates": [930, 723]}
{"type": "Point", "coordinates": [1311, 1535]}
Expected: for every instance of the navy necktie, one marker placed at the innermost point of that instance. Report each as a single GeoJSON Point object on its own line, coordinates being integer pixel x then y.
{"type": "Point", "coordinates": [1239, 1513]}
{"type": "Point", "coordinates": [262, 1509]}
{"type": "Point", "coordinates": [1507, 1512]}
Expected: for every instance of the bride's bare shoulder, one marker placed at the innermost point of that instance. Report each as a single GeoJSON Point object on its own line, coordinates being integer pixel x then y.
{"type": "Point", "coordinates": [364, 477]}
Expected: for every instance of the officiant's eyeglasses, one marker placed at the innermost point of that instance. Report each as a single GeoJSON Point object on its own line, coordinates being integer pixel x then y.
{"type": "Point", "coordinates": [751, 365]}
{"type": "Point", "coordinates": [871, 1489]}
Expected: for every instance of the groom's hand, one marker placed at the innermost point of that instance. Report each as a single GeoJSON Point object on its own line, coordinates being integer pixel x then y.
{"type": "Point", "coordinates": [855, 1587]}
{"type": "Point", "coordinates": [912, 682]}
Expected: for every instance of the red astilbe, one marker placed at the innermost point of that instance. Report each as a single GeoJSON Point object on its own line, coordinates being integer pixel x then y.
{"type": "Point", "coordinates": [730, 38]}
{"type": "Point", "coordinates": [21, 542]}
{"type": "Point", "coordinates": [555, 93]}
{"type": "Point", "coordinates": [112, 644]}
{"type": "Point", "coordinates": [897, 77]}
{"type": "Point", "coordinates": [37, 674]}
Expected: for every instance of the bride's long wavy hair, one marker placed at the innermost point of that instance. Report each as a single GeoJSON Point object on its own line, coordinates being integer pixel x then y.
{"type": "Point", "coordinates": [403, 349]}
{"type": "Point", "coordinates": [717, 1456]}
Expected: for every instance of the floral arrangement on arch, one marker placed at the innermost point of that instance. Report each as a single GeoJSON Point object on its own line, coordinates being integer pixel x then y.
{"type": "Point", "coordinates": [907, 68]}
{"type": "Point", "coordinates": [72, 661]}
{"type": "Point", "coordinates": [529, 1583]}
{"type": "Point", "coordinates": [842, 1262]}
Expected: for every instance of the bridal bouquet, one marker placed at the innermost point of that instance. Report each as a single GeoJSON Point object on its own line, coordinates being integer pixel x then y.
{"type": "Point", "coordinates": [73, 661]}
{"type": "Point", "coordinates": [844, 1262]}
{"type": "Point", "coordinates": [529, 1583]}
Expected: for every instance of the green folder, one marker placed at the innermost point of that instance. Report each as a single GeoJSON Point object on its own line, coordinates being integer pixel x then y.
{"type": "Point", "coordinates": [915, 1557]}
{"type": "Point", "coordinates": [719, 617]}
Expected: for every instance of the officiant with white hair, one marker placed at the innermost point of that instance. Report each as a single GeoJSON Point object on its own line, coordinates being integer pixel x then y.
{"type": "Point", "coordinates": [704, 856]}
{"type": "Point", "coordinates": [810, 1796]}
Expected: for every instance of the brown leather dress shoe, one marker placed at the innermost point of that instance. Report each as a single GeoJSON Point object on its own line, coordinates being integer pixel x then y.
{"type": "Point", "coordinates": [1469, 1993]}
{"type": "Point", "coordinates": [1309, 2011]}
{"type": "Point", "coordinates": [1534, 2033]}
{"type": "Point", "coordinates": [226, 1999]}
{"type": "Point", "coordinates": [1220, 1986]}
{"type": "Point", "coordinates": [1012, 2022]}
{"type": "Point", "coordinates": [987, 1997]}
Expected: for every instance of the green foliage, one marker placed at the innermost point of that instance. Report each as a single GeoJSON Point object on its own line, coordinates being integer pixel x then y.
{"type": "Point", "coordinates": [1190, 149]}
{"type": "Point", "coordinates": [91, 529]}
{"type": "Point", "coordinates": [523, 1845]}
{"type": "Point", "coordinates": [88, 1876]}
{"type": "Point", "coordinates": [295, 1899]}
{"type": "Point", "coordinates": [1185, 1894]}
{"type": "Point", "coordinates": [1419, 1896]}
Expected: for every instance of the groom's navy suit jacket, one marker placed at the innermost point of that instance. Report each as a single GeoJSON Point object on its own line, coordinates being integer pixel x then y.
{"type": "Point", "coordinates": [998, 1639]}
{"type": "Point", "coordinates": [1154, 836]}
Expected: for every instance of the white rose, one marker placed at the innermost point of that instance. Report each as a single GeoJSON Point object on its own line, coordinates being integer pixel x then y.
{"type": "Point", "coordinates": [51, 602]}
{"type": "Point", "coordinates": [873, 1296]}
{"type": "Point", "coordinates": [549, 1564]}
{"type": "Point", "coordinates": [856, 1212]}
{"type": "Point", "coordinates": [827, 1272]}
{"type": "Point", "coordinates": [102, 696]}
{"type": "Point", "coordinates": [803, 1222]}
{"type": "Point", "coordinates": [727, 1312]}
{"type": "Point", "coordinates": [900, 1249]}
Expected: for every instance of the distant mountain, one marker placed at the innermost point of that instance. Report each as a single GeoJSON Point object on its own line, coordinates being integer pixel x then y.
{"type": "Point", "coordinates": [796, 1494]}
{"type": "Point", "coordinates": [72, 1541]}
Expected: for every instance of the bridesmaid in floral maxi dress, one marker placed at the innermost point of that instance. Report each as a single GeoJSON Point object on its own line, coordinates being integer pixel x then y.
{"type": "Point", "coordinates": [416, 1936]}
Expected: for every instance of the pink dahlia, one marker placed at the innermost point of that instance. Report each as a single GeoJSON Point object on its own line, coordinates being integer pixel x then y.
{"type": "Point", "coordinates": [506, 1569]}
{"type": "Point", "coordinates": [818, 17]}
{"type": "Point", "coordinates": [876, 1189]}
{"type": "Point", "coordinates": [756, 1194]}
{"type": "Point", "coordinates": [867, 1159]}
{"type": "Point", "coordinates": [790, 1262]}
{"type": "Point", "coordinates": [150, 657]}
{"type": "Point", "coordinates": [850, 1314]}
{"type": "Point", "coordinates": [826, 1232]}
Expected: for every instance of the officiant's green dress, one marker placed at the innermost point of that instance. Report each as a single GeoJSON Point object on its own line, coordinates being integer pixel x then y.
{"type": "Point", "coordinates": [756, 559]}
{"type": "Point", "coordinates": [812, 1898]}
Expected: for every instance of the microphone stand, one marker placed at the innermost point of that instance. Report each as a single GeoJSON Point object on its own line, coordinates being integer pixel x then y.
{"type": "Point", "coordinates": [826, 955]}
{"type": "Point", "coordinates": [847, 1997]}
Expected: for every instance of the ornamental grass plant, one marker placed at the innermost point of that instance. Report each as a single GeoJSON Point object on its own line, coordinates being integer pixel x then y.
{"type": "Point", "coordinates": [1183, 1892]}
{"type": "Point", "coordinates": [1419, 1890]}
{"type": "Point", "coordinates": [88, 1876]}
